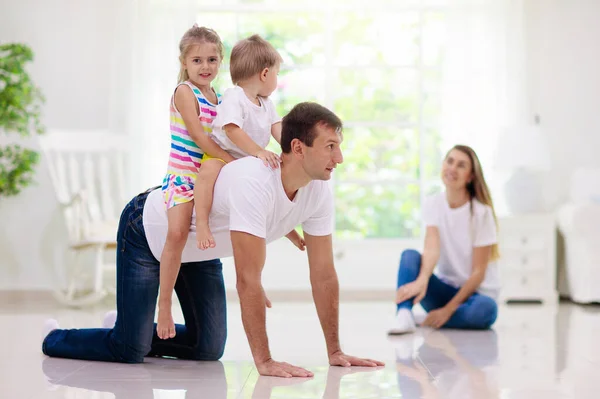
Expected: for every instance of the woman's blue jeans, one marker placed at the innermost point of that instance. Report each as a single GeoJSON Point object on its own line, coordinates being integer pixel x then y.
{"type": "Point", "coordinates": [199, 287]}
{"type": "Point", "coordinates": [478, 312]}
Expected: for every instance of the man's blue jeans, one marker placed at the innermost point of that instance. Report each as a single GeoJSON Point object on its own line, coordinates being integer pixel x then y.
{"type": "Point", "coordinates": [477, 312]}
{"type": "Point", "coordinates": [200, 290]}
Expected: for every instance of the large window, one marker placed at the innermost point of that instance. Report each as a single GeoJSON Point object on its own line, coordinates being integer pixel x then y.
{"type": "Point", "coordinates": [379, 68]}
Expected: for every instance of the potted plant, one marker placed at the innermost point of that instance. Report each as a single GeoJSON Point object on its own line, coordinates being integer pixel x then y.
{"type": "Point", "coordinates": [20, 111]}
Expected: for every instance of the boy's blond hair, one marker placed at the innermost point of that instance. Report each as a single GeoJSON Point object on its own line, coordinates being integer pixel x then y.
{"type": "Point", "coordinates": [250, 56]}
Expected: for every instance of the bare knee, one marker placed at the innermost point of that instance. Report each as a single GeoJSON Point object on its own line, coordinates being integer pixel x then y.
{"type": "Point", "coordinates": [209, 171]}
{"type": "Point", "coordinates": [177, 235]}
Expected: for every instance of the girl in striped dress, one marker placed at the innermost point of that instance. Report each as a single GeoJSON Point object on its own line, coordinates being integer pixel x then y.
{"type": "Point", "coordinates": [192, 111]}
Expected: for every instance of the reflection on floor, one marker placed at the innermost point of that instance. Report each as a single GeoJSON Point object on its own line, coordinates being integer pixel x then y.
{"type": "Point", "coordinates": [533, 351]}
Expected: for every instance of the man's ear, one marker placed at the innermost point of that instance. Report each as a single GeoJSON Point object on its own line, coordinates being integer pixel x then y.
{"type": "Point", "coordinates": [263, 74]}
{"type": "Point", "coordinates": [297, 148]}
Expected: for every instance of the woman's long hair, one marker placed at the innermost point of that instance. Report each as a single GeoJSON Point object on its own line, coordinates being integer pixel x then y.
{"type": "Point", "coordinates": [478, 188]}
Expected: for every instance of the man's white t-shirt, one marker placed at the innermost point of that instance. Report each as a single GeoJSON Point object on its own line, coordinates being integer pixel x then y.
{"type": "Point", "coordinates": [248, 197]}
{"type": "Point", "coordinates": [460, 232]}
{"type": "Point", "coordinates": [255, 120]}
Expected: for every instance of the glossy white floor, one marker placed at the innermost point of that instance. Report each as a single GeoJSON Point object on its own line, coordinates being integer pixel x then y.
{"type": "Point", "coordinates": [533, 352]}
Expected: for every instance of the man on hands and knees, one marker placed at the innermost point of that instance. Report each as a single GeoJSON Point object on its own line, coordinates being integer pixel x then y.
{"type": "Point", "coordinates": [268, 203]}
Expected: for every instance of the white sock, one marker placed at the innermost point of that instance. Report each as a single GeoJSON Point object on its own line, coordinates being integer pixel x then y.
{"type": "Point", "coordinates": [49, 326]}
{"type": "Point", "coordinates": [110, 318]}
{"type": "Point", "coordinates": [419, 315]}
{"type": "Point", "coordinates": [403, 323]}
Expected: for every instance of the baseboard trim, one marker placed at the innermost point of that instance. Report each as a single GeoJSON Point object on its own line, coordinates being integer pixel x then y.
{"type": "Point", "coordinates": [45, 297]}
{"type": "Point", "coordinates": [306, 295]}
{"type": "Point", "coordinates": [28, 300]}
{"type": "Point", "coordinates": [20, 296]}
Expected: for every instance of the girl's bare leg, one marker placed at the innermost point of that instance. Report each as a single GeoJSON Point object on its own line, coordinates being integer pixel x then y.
{"type": "Point", "coordinates": [179, 220]}
{"type": "Point", "coordinates": [203, 198]}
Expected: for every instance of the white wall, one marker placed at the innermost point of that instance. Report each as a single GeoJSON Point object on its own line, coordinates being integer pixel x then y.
{"type": "Point", "coordinates": [363, 265]}
{"type": "Point", "coordinates": [71, 41]}
{"type": "Point", "coordinates": [564, 64]}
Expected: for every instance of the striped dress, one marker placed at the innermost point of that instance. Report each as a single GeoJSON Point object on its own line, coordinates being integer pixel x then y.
{"type": "Point", "coordinates": [185, 156]}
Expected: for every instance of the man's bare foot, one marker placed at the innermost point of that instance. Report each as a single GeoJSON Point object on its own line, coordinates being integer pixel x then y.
{"type": "Point", "coordinates": [204, 236]}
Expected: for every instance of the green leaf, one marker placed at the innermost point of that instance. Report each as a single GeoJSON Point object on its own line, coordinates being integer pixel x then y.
{"type": "Point", "coordinates": [20, 113]}
{"type": "Point", "coordinates": [16, 169]}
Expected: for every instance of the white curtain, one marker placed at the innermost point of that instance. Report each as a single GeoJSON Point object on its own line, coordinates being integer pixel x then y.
{"type": "Point", "coordinates": [145, 69]}
{"type": "Point", "coordinates": [484, 71]}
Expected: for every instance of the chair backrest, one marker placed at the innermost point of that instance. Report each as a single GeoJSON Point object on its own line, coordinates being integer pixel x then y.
{"type": "Point", "coordinates": [90, 164]}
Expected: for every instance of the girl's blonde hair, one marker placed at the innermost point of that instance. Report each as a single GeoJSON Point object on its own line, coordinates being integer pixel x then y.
{"type": "Point", "coordinates": [250, 56]}
{"type": "Point", "coordinates": [478, 188]}
{"type": "Point", "coordinates": [194, 36]}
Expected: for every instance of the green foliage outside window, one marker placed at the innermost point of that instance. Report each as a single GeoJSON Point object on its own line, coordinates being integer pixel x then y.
{"type": "Point", "coordinates": [365, 68]}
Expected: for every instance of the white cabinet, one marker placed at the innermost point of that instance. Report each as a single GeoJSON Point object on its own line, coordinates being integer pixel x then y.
{"type": "Point", "coordinates": [527, 262]}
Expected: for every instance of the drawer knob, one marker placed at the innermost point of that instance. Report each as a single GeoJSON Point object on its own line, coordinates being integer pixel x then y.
{"type": "Point", "coordinates": [524, 280]}
{"type": "Point", "coordinates": [524, 240]}
{"type": "Point", "coordinates": [524, 260]}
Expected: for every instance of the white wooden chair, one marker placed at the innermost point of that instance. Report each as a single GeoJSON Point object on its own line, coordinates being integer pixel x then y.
{"type": "Point", "coordinates": [87, 172]}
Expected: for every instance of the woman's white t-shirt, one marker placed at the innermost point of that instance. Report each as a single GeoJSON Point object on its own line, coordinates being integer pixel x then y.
{"type": "Point", "coordinates": [462, 229]}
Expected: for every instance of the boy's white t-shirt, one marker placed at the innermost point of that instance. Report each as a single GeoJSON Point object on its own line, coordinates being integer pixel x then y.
{"type": "Point", "coordinates": [460, 232]}
{"type": "Point", "coordinates": [255, 120]}
{"type": "Point", "coordinates": [248, 197]}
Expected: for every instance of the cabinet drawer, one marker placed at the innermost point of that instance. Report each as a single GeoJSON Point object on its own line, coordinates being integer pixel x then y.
{"type": "Point", "coordinates": [525, 285]}
{"type": "Point", "coordinates": [531, 224]}
{"type": "Point", "coordinates": [524, 260]}
{"type": "Point", "coordinates": [522, 241]}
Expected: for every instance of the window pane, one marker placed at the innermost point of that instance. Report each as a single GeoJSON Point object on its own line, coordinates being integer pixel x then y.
{"type": "Point", "coordinates": [372, 81]}
{"type": "Point", "coordinates": [377, 211]}
{"type": "Point", "coordinates": [374, 94]}
{"type": "Point", "coordinates": [433, 39]}
{"type": "Point", "coordinates": [222, 82]}
{"type": "Point", "coordinates": [298, 37]}
{"type": "Point", "coordinates": [379, 155]}
{"type": "Point", "coordinates": [296, 86]}
{"type": "Point", "coordinates": [433, 187]}
{"type": "Point", "coordinates": [376, 39]}
{"type": "Point", "coordinates": [432, 97]}
{"type": "Point", "coordinates": [432, 154]}
{"type": "Point", "coordinates": [224, 23]}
